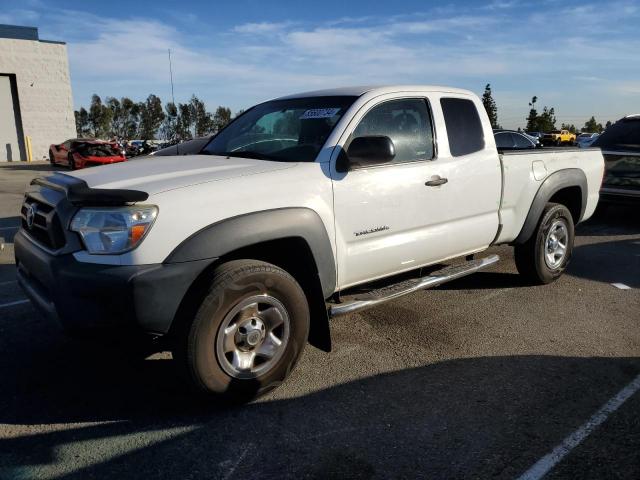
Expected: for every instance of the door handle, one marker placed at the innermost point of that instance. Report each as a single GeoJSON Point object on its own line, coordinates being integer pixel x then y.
{"type": "Point", "coordinates": [436, 181]}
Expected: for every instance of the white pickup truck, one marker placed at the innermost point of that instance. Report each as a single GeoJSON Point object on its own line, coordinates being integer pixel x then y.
{"type": "Point", "coordinates": [241, 253]}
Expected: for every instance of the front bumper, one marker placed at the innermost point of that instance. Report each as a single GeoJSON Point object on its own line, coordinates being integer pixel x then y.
{"type": "Point", "coordinates": [90, 297]}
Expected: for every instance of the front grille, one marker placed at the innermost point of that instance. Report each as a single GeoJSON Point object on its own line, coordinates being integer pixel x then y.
{"type": "Point", "coordinates": [44, 227]}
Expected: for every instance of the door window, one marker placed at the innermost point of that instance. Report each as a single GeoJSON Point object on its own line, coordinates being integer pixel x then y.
{"type": "Point", "coordinates": [406, 122]}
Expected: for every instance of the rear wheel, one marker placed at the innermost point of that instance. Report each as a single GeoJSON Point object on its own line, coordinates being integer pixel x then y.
{"type": "Point", "coordinates": [248, 333]}
{"type": "Point", "coordinates": [545, 256]}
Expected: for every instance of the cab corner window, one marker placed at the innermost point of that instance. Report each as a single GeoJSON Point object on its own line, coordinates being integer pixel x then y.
{"type": "Point", "coordinates": [406, 122]}
{"type": "Point", "coordinates": [464, 128]}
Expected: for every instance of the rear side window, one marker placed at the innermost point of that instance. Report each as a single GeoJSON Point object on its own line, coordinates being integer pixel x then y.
{"type": "Point", "coordinates": [504, 140]}
{"type": "Point", "coordinates": [522, 141]}
{"type": "Point", "coordinates": [463, 126]}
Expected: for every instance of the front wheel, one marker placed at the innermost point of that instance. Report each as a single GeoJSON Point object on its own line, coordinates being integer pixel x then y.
{"type": "Point", "coordinates": [72, 162]}
{"type": "Point", "coordinates": [545, 256]}
{"type": "Point", "coordinates": [248, 333]}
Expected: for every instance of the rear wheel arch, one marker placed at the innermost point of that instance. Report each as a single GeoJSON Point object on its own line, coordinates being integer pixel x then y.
{"type": "Point", "coordinates": [567, 187]}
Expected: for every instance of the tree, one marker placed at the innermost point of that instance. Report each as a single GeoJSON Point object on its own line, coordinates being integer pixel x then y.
{"type": "Point", "coordinates": [82, 122]}
{"type": "Point", "coordinates": [570, 127]}
{"type": "Point", "coordinates": [533, 116]}
{"type": "Point", "coordinates": [151, 117]}
{"type": "Point", "coordinates": [168, 129]}
{"type": "Point", "coordinates": [591, 126]}
{"type": "Point", "coordinates": [184, 122]}
{"type": "Point", "coordinates": [99, 118]}
{"type": "Point", "coordinates": [490, 106]}
{"type": "Point", "coordinates": [203, 122]}
{"type": "Point", "coordinates": [545, 122]}
{"type": "Point", "coordinates": [221, 118]}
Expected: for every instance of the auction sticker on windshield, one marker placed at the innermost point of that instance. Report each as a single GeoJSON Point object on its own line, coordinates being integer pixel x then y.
{"type": "Point", "coordinates": [319, 113]}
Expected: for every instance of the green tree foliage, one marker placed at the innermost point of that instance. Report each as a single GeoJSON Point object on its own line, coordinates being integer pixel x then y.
{"type": "Point", "coordinates": [168, 129]}
{"type": "Point", "coordinates": [571, 128]}
{"type": "Point", "coordinates": [490, 106]}
{"type": "Point", "coordinates": [151, 117]}
{"type": "Point", "coordinates": [591, 126]}
{"type": "Point", "coordinates": [184, 122]}
{"type": "Point", "coordinates": [221, 118]}
{"type": "Point", "coordinates": [203, 121]}
{"type": "Point", "coordinates": [533, 116]}
{"type": "Point", "coordinates": [125, 119]}
{"type": "Point", "coordinates": [83, 128]}
{"type": "Point", "coordinates": [99, 118]}
{"type": "Point", "coordinates": [544, 122]}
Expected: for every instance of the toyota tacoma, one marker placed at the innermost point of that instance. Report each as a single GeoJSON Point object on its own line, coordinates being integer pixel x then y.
{"type": "Point", "coordinates": [304, 208]}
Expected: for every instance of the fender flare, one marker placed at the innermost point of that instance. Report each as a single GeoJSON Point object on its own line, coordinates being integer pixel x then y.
{"type": "Point", "coordinates": [570, 177]}
{"type": "Point", "coordinates": [233, 233]}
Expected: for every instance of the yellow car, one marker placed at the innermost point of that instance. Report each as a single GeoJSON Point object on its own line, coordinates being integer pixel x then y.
{"type": "Point", "coordinates": [559, 137]}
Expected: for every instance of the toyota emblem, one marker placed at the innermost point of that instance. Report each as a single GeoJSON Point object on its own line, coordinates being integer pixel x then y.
{"type": "Point", "coordinates": [31, 215]}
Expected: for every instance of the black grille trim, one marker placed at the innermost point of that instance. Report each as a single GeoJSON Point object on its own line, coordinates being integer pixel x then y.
{"type": "Point", "coordinates": [46, 228]}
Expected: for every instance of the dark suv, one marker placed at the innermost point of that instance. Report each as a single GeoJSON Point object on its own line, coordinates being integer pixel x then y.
{"type": "Point", "coordinates": [620, 144]}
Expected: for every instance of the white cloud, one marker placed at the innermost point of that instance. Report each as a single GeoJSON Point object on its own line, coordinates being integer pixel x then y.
{"type": "Point", "coordinates": [260, 28]}
{"type": "Point", "coordinates": [518, 48]}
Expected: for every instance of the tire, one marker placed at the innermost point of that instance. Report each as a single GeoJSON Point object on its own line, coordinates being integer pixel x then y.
{"type": "Point", "coordinates": [533, 259]}
{"type": "Point", "coordinates": [243, 302]}
{"type": "Point", "coordinates": [52, 159]}
{"type": "Point", "coordinates": [72, 162]}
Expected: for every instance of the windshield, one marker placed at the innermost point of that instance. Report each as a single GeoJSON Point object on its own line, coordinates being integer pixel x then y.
{"type": "Point", "coordinates": [282, 130]}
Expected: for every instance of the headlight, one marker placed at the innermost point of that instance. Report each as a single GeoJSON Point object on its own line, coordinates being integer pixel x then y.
{"type": "Point", "coordinates": [113, 230]}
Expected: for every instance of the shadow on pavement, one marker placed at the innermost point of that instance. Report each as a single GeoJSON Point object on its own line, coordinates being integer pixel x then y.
{"type": "Point", "coordinates": [8, 228]}
{"type": "Point", "coordinates": [468, 418]}
{"type": "Point", "coordinates": [608, 262]}
{"type": "Point", "coordinates": [611, 220]}
{"type": "Point", "coordinates": [486, 280]}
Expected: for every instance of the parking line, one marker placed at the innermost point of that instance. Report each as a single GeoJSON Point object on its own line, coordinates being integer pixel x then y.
{"type": "Point", "coordinates": [546, 463]}
{"type": "Point", "coordinates": [11, 304]}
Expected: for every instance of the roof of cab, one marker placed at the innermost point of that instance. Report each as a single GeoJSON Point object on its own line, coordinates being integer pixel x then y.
{"type": "Point", "coordinates": [358, 91]}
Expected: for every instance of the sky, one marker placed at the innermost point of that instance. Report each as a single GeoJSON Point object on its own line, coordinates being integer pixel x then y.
{"type": "Point", "coordinates": [580, 57]}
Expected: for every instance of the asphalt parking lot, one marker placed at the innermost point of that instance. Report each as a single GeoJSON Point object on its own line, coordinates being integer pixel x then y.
{"type": "Point", "coordinates": [480, 378]}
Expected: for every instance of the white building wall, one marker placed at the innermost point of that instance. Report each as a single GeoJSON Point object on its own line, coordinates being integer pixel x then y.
{"type": "Point", "coordinates": [44, 91]}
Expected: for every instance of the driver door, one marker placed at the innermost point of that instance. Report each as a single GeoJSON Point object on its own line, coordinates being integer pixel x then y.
{"type": "Point", "coordinates": [379, 210]}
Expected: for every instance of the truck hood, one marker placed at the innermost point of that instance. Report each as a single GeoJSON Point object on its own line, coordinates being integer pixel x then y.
{"type": "Point", "coordinates": [159, 174]}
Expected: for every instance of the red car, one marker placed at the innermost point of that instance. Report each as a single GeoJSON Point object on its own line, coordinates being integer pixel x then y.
{"type": "Point", "coordinates": [81, 153]}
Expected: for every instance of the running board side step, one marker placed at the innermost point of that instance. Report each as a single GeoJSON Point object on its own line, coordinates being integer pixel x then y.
{"type": "Point", "coordinates": [391, 292]}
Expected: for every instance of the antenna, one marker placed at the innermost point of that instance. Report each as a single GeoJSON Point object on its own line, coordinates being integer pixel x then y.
{"type": "Point", "coordinates": [173, 99]}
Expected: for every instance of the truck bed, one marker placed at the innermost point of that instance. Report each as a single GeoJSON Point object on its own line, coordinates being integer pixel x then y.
{"type": "Point", "coordinates": [525, 171]}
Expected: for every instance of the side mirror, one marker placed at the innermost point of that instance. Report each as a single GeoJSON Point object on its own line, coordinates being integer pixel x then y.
{"type": "Point", "coordinates": [371, 150]}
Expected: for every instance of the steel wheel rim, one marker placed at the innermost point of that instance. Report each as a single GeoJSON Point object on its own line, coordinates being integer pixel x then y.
{"type": "Point", "coordinates": [253, 337]}
{"type": "Point", "coordinates": [555, 244]}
